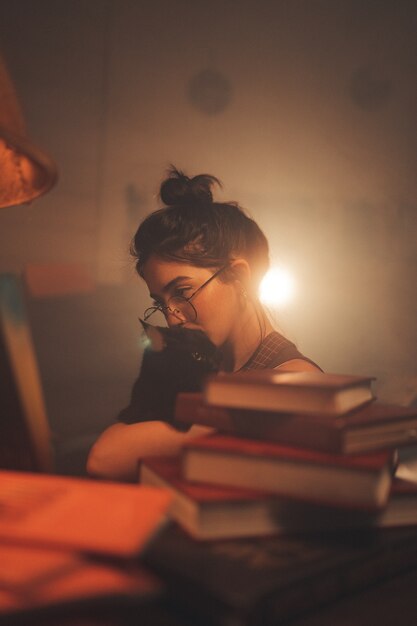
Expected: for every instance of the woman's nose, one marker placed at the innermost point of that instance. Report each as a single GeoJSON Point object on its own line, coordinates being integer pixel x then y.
{"type": "Point", "coordinates": [173, 319]}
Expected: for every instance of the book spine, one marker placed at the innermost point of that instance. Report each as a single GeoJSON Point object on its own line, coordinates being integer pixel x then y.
{"type": "Point", "coordinates": [296, 430]}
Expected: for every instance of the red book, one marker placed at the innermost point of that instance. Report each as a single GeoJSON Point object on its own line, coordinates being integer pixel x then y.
{"type": "Point", "coordinates": [69, 513]}
{"type": "Point", "coordinates": [212, 512]}
{"type": "Point", "coordinates": [208, 511]}
{"type": "Point", "coordinates": [289, 392]}
{"type": "Point", "coordinates": [360, 481]}
{"type": "Point", "coordinates": [41, 585]}
{"type": "Point", "coordinates": [372, 427]}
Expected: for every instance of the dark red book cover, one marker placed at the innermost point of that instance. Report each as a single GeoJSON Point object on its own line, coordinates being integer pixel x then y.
{"type": "Point", "coordinates": [254, 448]}
{"type": "Point", "coordinates": [372, 427]}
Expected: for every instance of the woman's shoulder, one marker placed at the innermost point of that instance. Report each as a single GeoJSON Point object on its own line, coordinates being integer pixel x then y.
{"type": "Point", "coordinates": [274, 351]}
{"type": "Point", "coordinates": [298, 365]}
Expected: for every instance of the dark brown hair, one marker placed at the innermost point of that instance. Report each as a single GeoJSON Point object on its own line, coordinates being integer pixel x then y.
{"type": "Point", "coordinates": [194, 229]}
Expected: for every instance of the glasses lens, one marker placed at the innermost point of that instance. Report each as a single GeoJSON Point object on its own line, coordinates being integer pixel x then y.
{"type": "Point", "coordinates": [182, 308]}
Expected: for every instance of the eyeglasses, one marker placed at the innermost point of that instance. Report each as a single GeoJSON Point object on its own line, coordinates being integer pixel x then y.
{"type": "Point", "coordinates": [181, 307]}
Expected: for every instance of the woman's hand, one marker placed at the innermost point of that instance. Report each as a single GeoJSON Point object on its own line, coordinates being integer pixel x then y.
{"type": "Point", "coordinates": [118, 451]}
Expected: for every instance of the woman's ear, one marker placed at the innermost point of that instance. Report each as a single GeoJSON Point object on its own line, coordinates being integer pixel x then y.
{"type": "Point", "coordinates": [242, 273]}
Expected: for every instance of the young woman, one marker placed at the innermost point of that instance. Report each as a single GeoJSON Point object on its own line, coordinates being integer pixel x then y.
{"type": "Point", "coordinates": [202, 262]}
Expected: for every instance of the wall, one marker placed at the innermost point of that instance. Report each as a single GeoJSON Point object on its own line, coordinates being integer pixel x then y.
{"type": "Point", "coordinates": [305, 109]}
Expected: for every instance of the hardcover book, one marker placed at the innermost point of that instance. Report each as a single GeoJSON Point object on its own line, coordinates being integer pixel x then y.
{"type": "Point", "coordinates": [79, 514]}
{"type": "Point", "coordinates": [209, 512]}
{"type": "Point", "coordinates": [402, 505]}
{"type": "Point", "coordinates": [39, 583]}
{"type": "Point", "coordinates": [371, 427]}
{"type": "Point", "coordinates": [359, 481]}
{"type": "Point", "coordinates": [293, 392]}
{"type": "Point", "coordinates": [265, 581]}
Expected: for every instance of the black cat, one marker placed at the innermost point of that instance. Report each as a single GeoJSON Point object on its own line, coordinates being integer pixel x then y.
{"type": "Point", "coordinates": [174, 359]}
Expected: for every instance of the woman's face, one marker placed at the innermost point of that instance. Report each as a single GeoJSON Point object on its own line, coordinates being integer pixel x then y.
{"type": "Point", "coordinates": [217, 304]}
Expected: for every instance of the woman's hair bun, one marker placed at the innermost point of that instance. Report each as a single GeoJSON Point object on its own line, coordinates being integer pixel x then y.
{"type": "Point", "coordinates": [178, 189]}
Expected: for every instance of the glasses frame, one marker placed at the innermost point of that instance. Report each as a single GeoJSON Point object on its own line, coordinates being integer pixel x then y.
{"type": "Point", "coordinates": [165, 309]}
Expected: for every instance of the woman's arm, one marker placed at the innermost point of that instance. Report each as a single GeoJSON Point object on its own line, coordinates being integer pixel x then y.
{"type": "Point", "coordinates": [117, 452]}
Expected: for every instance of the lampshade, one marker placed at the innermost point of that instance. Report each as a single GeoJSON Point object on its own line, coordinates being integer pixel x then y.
{"type": "Point", "coordinates": [25, 171]}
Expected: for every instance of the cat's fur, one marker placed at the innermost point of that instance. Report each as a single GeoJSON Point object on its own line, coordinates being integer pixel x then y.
{"type": "Point", "coordinates": [174, 359]}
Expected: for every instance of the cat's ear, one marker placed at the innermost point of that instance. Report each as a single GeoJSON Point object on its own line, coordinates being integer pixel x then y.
{"type": "Point", "coordinates": [145, 325]}
{"type": "Point", "coordinates": [154, 337]}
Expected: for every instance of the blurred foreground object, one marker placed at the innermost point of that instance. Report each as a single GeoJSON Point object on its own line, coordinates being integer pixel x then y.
{"type": "Point", "coordinates": [25, 171]}
{"type": "Point", "coordinates": [25, 436]}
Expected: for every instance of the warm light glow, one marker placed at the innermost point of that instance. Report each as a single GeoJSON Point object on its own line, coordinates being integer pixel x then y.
{"type": "Point", "coordinates": [277, 287]}
{"type": "Point", "coordinates": [25, 171]}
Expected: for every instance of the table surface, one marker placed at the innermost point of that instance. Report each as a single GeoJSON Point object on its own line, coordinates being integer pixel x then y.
{"type": "Point", "coordinates": [390, 602]}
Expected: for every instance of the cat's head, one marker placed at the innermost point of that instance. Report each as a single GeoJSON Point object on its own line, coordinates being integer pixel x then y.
{"type": "Point", "coordinates": [183, 342]}
{"type": "Point", "coordinates": [174, 360]}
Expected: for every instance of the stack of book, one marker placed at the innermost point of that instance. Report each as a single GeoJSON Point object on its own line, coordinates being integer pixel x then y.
{"type": "Point", "coordinates": [66, 553]}
{"type": "Point", "coordinates": [289, 452]}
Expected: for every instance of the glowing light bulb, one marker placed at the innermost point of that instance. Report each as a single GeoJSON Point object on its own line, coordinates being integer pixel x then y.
{"type": "Point", "coordinates": [277, 287]}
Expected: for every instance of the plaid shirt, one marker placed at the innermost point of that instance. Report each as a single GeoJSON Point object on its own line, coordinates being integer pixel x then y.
{"type": "Point", "coordinates": [273, 351]}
